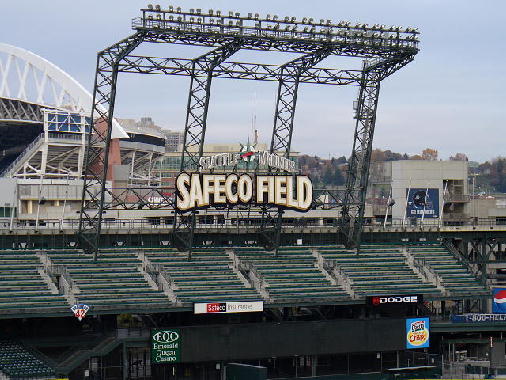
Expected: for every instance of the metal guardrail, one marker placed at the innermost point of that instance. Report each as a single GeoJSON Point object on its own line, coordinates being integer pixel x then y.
{"type": "Point", "coordinates": [22, 156]}
{"type": "Point", "coordinates": [243, 222]}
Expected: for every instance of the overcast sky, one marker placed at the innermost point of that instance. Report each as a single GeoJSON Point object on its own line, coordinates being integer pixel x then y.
{"type": "Point", "coordinates": [451, 98]}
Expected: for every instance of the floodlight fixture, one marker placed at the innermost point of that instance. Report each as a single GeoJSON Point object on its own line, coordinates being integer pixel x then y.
{"type": "Point", "coordinates": [150, 6]}
{"type": "Point", "coordinates": [157, 7]}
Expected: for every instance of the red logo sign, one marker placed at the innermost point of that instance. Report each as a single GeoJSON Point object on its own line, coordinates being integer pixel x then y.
{"type": "Point", "coordinates": [216, 307]}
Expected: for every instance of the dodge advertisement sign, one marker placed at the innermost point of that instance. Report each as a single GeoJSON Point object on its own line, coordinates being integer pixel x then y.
{"type": "Point", "coordinates": [394, 300]}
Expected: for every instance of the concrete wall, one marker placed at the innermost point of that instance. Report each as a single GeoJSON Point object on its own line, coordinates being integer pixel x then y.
{"type": "Point", "coordinates": [265, 340]}
{"type": "Point", "coordinates": [423, 174]}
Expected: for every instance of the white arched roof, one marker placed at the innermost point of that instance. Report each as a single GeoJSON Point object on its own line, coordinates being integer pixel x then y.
{"type": "Point", "coordinates": [29, 77]}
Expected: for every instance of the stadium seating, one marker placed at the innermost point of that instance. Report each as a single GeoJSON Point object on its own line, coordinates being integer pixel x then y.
{"type": "Point", "coordinates": [114, 280]}
{"type": "Point", "coordinates": [207, 277]}
{"type": "Point", "coordinates": [291, 274]}
{"type": "Point", "coordinates": [22, 287]}
{"type": "Point", "coordinates": [117, 281]}
{"type": "Point", "coordinates": [456, 277]}
{"type": "Point", "coordinates": [17, 362]}
{"type": "Point", "coordinates": [377, 270]}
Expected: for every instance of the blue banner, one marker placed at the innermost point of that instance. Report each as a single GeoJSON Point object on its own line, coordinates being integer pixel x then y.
{"type": "Point", "coordinates": [417, 332]}
{"type": "Point", "coordinates": [422, 202]}
{"type": "Point", "coordinates": [499, 303]}
{"type": "Point", "coordinates": [477, 318]}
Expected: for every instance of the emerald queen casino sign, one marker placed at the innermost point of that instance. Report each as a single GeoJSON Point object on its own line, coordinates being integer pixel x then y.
{"type": "Point", "coordinates": [197, 190]}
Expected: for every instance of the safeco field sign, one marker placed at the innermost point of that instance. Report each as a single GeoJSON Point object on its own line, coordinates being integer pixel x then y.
{"type": "Point", "coordinates": [165, 346]}
{"type": "Point", "coordinates": [417, 332]}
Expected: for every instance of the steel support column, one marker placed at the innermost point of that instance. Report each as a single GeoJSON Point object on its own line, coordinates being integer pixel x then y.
{"type": "Point", "coordinates": [352, 211]}
{"type": "Point", "coordinates": [286, 102]}
{"type": "Point", "coordinates": [195, 130]}
{"type": "Point", "coordinates": [98, 143]}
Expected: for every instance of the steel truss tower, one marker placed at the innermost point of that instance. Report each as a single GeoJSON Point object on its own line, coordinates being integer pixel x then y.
{"type": "Point", "coordinates": [195, 130]}
{"type": "Point", "coordinates": [383, 50]}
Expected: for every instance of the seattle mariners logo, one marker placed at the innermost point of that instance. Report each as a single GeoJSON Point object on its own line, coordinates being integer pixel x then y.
{"type": "Point", "coordinates": [248, 152]}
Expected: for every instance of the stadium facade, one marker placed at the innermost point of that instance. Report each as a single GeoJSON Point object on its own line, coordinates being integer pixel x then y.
{"type": "Point", "coordinates": [415, 299]}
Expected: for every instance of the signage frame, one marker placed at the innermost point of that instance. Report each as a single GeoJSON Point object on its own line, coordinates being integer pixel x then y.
{"type": "Point", "coordinates": [402, 299]}
{"type": "Point", "coordinates": [229, 307]}
{"type": "Point", "coordinates": [416, 337]}
{"type": "Point", "coordinates": [165, 346]}
{"type": "Point", "coordinates": [302, 186]}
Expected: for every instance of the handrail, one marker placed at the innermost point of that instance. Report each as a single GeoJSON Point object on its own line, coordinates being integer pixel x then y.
{"type": "Point", "coordinates": [231, 221]}
{"type": "Point", "coordinates": [21, 155]}
{"type": "Point", "coordinates": [461, 259]}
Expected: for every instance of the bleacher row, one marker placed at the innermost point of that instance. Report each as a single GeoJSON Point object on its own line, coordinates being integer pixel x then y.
{"type": "Point", "coordinates": [117, 281]}
{"type": "Point", "coordinates": [16, 361]}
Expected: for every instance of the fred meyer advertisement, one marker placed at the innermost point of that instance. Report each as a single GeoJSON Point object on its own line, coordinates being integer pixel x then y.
{"type": "Point", "coordinates": [417, 332]}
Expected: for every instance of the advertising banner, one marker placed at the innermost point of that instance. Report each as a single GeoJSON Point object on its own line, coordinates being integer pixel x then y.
{"type": "Point", "coordinates": [228, 307]}
{"type": "Point", "coordinates": [477, 318]}
{"type": "Point", "coordinates": [394, 300]}
{"type": "Point", "coordinates": [165, 346]}
{"type": "Point", "coordinates": [417, 332]}
{"type": "Point", "coordinates": [499, 302]}
{"type": "Point", "coordinates": [422, 202]}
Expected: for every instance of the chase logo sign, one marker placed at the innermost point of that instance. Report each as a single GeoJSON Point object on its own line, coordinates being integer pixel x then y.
{"type": "Point", "coordinates": [417, 332]}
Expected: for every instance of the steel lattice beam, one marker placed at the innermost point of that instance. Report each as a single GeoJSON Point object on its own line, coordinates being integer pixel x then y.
{"type": "Point", "coordinates": [195, 130]}
{"type": "Point", "coordinates": [18, 110]}
{"type": "Point", "coordinates": [387, 49]}
{"type": "Point", "coordinates": [238, 70]}
{"type": "Point", "coordinates": [97, 157]}
{"type": "Point", "coordinates": [353, 206]}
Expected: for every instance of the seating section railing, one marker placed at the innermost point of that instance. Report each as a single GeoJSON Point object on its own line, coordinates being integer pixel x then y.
{"type": "Point", "coordinates": [378, 270]}
{"type": "Point", "coordinates": [456, 277]}
{"type": "Point", "coordinates": [22, 288]}
{"type": "Point", "coordinates": [207, 277]}
{"type": "Point", "coordinates": [292, 274]}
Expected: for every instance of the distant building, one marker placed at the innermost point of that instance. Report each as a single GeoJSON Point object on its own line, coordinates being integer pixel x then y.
{"type": "Point", "coordinates": [173, 140]}
{"type": "Point", "coordinates": [420, 191]}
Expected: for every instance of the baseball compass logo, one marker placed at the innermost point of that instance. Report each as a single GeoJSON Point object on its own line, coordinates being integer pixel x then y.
{"type": "Point", "coordinates": [248, 152]}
